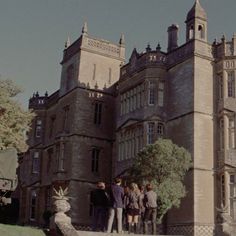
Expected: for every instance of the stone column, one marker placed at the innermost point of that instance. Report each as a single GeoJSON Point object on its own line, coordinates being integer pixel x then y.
{"type": "Point", "coordinates": [234, 130]}
{"type": "Point", "coordinates": [227, 190]}
{"type": "Point", "coordinates": [226, 133]}
{"type": "Point", "coordinates": [234, 83]}
{"type": "Point", "coordinates": [225, 85]}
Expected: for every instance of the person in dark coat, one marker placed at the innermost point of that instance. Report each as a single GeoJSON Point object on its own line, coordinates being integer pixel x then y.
{"type": "Point", "coordinates": [126, 202]}
{"type": "Point", "coordinates": [99, 201]}
{"type": "Point", "coordinates": [116, 205]}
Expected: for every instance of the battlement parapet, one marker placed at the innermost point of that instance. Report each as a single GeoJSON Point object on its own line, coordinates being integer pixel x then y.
{"type": "Point", "coordinates": [95, 45]}
{"type": "Point", "coordinates": [142, 61]}
{"type": "Point", "coordinates": [103, 47]}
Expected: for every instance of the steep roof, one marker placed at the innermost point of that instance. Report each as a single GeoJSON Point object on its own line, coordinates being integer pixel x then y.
{"type": "Point", "coordinates": [196, 12]}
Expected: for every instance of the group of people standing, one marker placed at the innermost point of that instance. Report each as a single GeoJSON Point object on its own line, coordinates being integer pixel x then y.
{"type": "Point", "coordinates": [132, 207]}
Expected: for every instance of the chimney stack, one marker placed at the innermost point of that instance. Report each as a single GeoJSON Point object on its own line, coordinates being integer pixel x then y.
{"type": "Point", "coordinates": [172, 37]}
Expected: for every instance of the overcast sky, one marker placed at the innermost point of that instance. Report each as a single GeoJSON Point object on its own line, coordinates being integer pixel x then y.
{"type": "Point", "coordinates": [33, 32]}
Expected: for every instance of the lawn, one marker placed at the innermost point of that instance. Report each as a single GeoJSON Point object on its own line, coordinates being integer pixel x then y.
{"type": "Point", "coordinates": [14, 230]}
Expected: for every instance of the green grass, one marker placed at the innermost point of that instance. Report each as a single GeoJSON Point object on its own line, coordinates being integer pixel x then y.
{"type": "Point", "coordinates": [14, 230]}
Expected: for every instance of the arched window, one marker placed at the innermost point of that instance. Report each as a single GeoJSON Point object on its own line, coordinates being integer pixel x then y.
{"type": "Point", "coordinates": [191, 32]}
{"type": "Point", "coordinates": [201, 33]}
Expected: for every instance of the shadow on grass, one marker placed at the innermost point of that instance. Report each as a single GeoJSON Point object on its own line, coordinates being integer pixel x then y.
{"type": "Point", "coordinates": [15, 230]}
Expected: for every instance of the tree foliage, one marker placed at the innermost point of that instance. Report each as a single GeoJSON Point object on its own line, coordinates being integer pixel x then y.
{"type": "Point", "coordinates": [164, 165]}
{"type": "Point", "coordinates": [14, 120]}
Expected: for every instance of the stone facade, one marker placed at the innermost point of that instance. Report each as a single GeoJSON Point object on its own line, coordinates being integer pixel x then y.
{"type": "Point", "coordinates": [106, 111]}
{"type": "Point", "coordinates": [71, 144]}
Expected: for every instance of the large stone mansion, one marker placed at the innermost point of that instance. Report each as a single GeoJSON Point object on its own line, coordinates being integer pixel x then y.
{"type": "Point", "coordinates": [106, 110]}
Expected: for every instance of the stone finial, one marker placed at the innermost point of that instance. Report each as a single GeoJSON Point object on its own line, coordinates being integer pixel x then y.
{"type": "Point", "coordinates": [215, 41]}
{"type": "Point", "coordinates": [148, 48]}
{"type": "Point", "coordinates": [67, 43]}
{"type": "Point", "coordinates": [96, 86]}
{"type": "Point", "coordinates": [85, 29]}
{"type": "Point", "coordinates": [37, 94]}
{"type": "Point", "coordinates": [158, 48]}
{"type": "Point", "coordinates": [223, 38]}
{"type": "Point", "coordinates": [46, 94]}
{"type": "Point", "coordinates": [122, 39]}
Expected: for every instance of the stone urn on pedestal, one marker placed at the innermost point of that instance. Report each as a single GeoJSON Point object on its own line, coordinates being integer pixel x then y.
{"type": "Point", "coordinates": [225, 222]}
{"type": "Point", "coordinates": [60, 222]}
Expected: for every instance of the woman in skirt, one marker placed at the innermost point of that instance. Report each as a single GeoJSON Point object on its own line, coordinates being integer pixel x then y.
{"type": "Point", "coordinates": [133, 208]}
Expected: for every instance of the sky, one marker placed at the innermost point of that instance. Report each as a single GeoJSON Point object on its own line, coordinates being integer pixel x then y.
{"type": "Point", "coordinates": [33, 32]}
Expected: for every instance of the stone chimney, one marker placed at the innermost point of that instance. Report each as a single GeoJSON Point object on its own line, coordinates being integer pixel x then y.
{"type": "Point", "coordinates": [172, 37]}
{"type": "Point", "coordinates": [234, 44]}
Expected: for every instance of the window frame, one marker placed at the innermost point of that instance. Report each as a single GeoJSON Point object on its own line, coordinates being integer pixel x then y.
{"type": "Point", "coordinates": [231, 84]}
{"type": "Point", "coordinates": [38, 127]}
{"type": "Point", "coordinates": [231, 132]}
{"type": "Point", "coordinates": [160, 130]}
{"type": "Point", "coordinates": [33, 205]}
{"type": "Point", "coordinates": [36, 162]}
{"type": "Point", "coordinates": [232, 198]}
{"type": "Point", "coordinates": [151, 93]}
{"type": "Point", "coordinates": [161, 91]}
{"type": "Point", "coordinates": [150, 132]}
{"type": "Point", "coordinates": [98, 113]}
{"type": "Point", "coordinates": [95, 160]}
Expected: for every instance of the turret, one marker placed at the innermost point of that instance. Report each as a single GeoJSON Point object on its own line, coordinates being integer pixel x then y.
{"type": "Point", "coordinates": [196, 23]}
{"type": "Point", "coordinates": [37, 101]}
{"type": "Point", "coordinates": [172, 37]}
